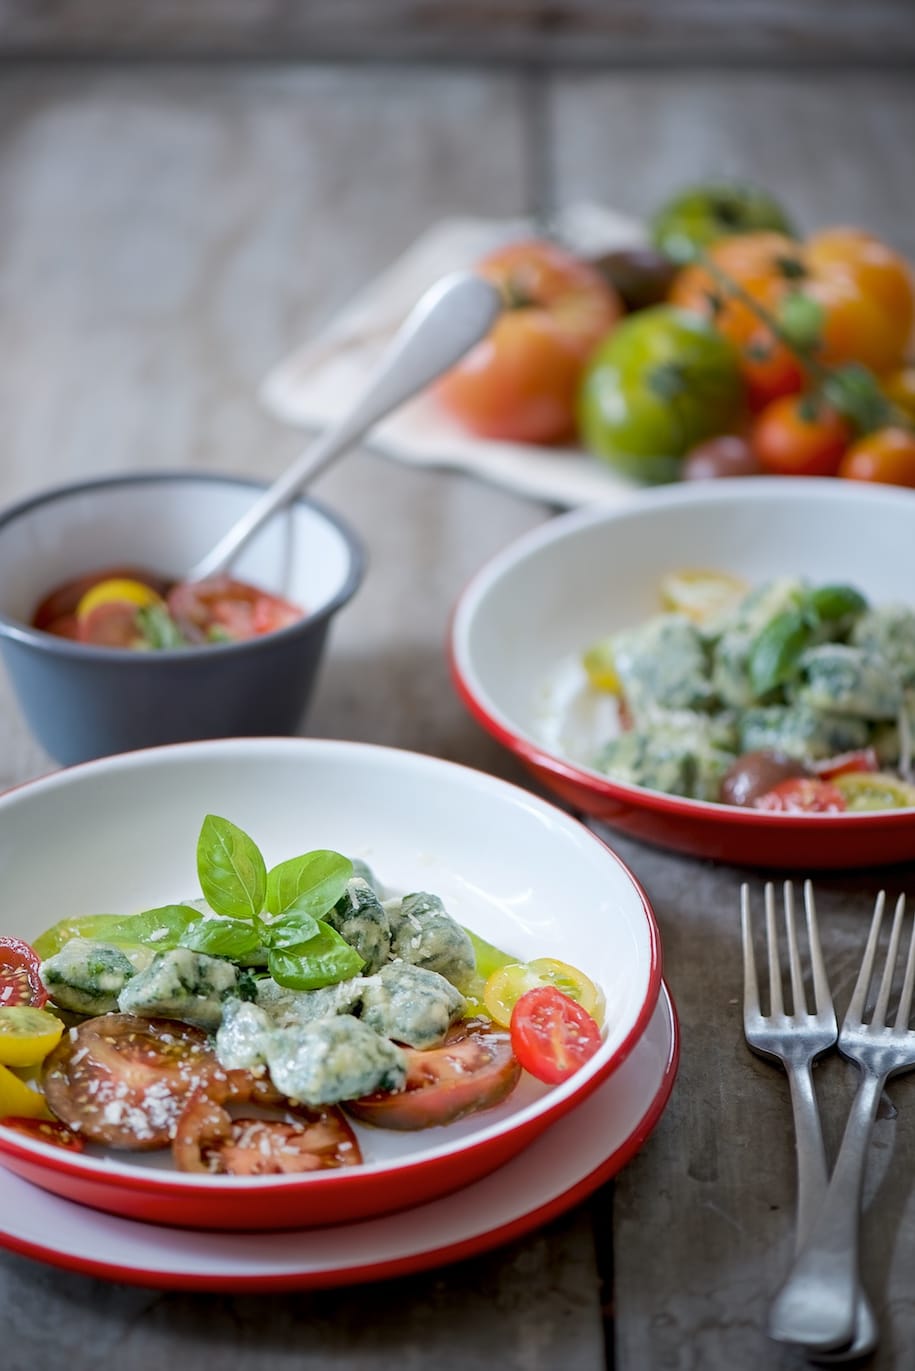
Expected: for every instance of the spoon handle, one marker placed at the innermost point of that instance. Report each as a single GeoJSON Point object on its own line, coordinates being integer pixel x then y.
{"type": "Point", "coordinates": [448, 320]}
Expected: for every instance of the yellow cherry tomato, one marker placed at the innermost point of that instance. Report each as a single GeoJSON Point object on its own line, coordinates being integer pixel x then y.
{"type": "Point", "coordinates": [117, 590]}
{"type": "Point", "coordinates": [507, 984]}
{"type": "Point", "coordinates": [17, 1100]}
{"type": "Point", "coordinates": [600, 667]}
{"type": "Point", "coordinates": [699, 594]}
{"type": "Point", "coordinates": [27, 1035]}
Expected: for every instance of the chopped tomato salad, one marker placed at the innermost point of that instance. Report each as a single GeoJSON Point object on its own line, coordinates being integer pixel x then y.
{"type": "Point", "coordinates": [129, 607]}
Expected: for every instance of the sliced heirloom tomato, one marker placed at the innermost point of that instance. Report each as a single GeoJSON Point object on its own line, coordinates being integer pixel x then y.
{"type": "Point", "coordinates": [846, 763]}
{"type": "Point", "coordinates": [18, 1098]}
{"type": "Point", "coordinates": [552, 1036]}
{"type": "Point", "coordinates": [123, 1081]}
{"type": "Point", "coordinates": [876, 790]}
{"type": "Point", "coordinates": [208, 1139]}
{"type": "Point", "coordinates": [474, 1069]}
{"type": "Point", "coordinates": [27, 1034]}
{"type": "Point", "coordinates": [46, 1131]}
{"type": "Point", "coordinates": [221, 609]}
{"type": "Point", "coordinates": [20, 977]}
{"type": "Point", "coordinates": [507, 984]}
{"type": "Point", "coordinates": [803, 795]}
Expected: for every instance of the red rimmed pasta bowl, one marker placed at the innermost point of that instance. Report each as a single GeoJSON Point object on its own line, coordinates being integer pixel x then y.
{"type": "Point", "coordinates": [119, 835]}
{"type": "Point", "coordinates": [521, 627]}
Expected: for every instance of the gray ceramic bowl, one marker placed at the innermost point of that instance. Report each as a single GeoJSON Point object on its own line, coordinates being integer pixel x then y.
{"type": "Point", "coordinates": [83, 702]}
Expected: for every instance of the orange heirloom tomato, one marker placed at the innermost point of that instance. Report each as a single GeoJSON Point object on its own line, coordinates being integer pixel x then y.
{"type": "Point", "coordinates": [899, 389]}
{"type": "Point", "coordinates": [864, 289]}
{"type": "Point", "coordinates": [521, 382]}
{"type": "Point", "coordinates": [886, 456]}
{"type": "Point", "coordinates": [799, 436]}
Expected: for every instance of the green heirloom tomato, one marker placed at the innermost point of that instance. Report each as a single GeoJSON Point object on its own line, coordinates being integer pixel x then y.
{"type": "Point", "coordinates": [664, 380]}
{"type": "Point", "coordinates": [700, 215]}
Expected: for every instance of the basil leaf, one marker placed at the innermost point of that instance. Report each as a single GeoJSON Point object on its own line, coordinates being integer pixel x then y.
{"type": "Point", "coordinates": [311, 884]}
{"type": "Point", "coordinates": [161, 928]}
{"type": "Point", "coordinates": [221, 938]}
{"type": "Point", "coordinates": [775, 653]}
{"type": "Point", "coordinates": [233, 876]}
{"type": "Point", "coordinates": [291, 930]}
{"type": "Point", "coordinates": [323, 960]}
{"type": "Point", "coordinates": [157, 628]}
{"type": "Point", "coordinates": [830, 603]}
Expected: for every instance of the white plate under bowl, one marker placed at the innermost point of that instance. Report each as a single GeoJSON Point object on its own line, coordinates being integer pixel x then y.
{"type": "Point", "coordinates": [521, 626]}
{"type": "Point", "coordinates": [558, 1170]}
{"type": "Point", "coordinates": [119, 835]}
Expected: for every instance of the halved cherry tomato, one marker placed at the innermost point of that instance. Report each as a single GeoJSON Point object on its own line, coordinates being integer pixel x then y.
{"type": "Point", "coordinates": [220, 608]}
{"type": "Point", "coordinates": [123, 1081]}
{"type": "Point", "coordinates": [552, 1036]}
{"type": "Point", "coordinates": [507, 984]}
{"type": "Point", "coordinates": [879, 790]}
{"type": "Point", "coordinates": [886, 456]}
{"type": "Point", "coordinates": [208, 1139]}
{"type": "Point", "coordinates": [46, 1131]}
{"type": "Point", "coordinates": [20, 977]}
{"type": "Point", "coordinates": [802, 795]}
{"type": "Point", "coordinates": [27, 1034]}
{"type": "Point", "coordinates": [16, 1097]}
{"type": "Point", "coordinates": [106, 615]}
{"type": "Point", "coordinates": [846, 763]}
{"type": "Point", "coordinates": [474, 1069]}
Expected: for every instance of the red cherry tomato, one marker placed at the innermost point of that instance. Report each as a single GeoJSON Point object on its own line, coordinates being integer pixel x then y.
{"type": "Point", "coordinates": [864, 759]}
{"type": "Point", "coordinates": [112, 624]}
{"type": "Point", "coordinates": [123, 1081]}
{"type": "Point", "coordinates": [20, 980]}
{"type": "Point", "coordinates": [46, 1131]}
{"type": "Point", "coordinates": [206, 611]}
{"type": "Point", "coordinates": [552, 1036]}
{"type": "Point", "coordinates": [803, 795]}
{"type": "Point", "coordinates": [473, 1070]}
{"type": "Point", "coordinates": [795, 436]}
{"type": "Point", "coordinates": [521, 382]}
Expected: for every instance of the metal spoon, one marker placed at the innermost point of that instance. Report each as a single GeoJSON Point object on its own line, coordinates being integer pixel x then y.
{"type": "Point", "coordinates": [448, 320]}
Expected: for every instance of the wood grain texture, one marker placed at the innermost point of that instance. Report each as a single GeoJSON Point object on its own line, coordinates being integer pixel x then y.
{"type": "Point", "coordinates": [590, 31]}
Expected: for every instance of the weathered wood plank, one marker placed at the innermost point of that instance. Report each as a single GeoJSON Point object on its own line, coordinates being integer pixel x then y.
{"type": "Point", "coordinates": [590, 31]}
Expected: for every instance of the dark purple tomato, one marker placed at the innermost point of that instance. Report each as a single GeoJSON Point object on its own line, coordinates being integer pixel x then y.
{"type": "Point", "coordinates": [642, 276]}
{"type": "Point", "coordinates": [727, 455]}
{"type": "Point", "coordinates": [755, 774]}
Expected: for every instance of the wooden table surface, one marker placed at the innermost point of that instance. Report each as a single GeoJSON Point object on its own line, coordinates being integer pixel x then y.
{"type": "Point", "coordinates": [166, 234]}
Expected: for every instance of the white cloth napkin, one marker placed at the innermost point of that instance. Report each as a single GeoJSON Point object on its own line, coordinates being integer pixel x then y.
{"type": "Point", "coordinates": [314, 385]}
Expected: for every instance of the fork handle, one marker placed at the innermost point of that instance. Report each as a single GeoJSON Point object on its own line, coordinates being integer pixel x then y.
{"type": "Point", "coordinates": [812, 1173]}
{"type": "Point", "coordinates": [816, 1304]}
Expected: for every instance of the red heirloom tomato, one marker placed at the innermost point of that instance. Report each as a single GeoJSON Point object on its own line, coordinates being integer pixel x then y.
{"type": "Point", "coordinates": [800, 436]}
{"type": "Point", "coordinates": [473, 1070]}
{"type": "Point", "coordinates": [20, 982]}
{"type": "Point", "coordinates": [803, 795]}
{"type": "Point", "coordinates": [521, 382]}
{"type": "Point", "coordinates": [886, 456]}
{"type": "Point", "coordinates": [552, 1035]}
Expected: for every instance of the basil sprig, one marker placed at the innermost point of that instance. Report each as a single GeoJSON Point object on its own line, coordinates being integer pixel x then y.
{"type": "Point", "coordinates": [776, 652]}
{"type": "Point", "coordinates": [278, 911]}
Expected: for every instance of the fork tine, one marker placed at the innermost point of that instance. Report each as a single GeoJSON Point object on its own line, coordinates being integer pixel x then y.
{"type": "Point", "coordinates": [750, 982]}
{"type": "Point", "coordinates": [889, 968]}
{"type": "Point", "coordinates": [821, 992]}
{"type": "Point", "coordinates": [855, 1011]}
{"type": "Point", "coordinates": [903, 1013]}
{"type": "Point", "coordinates": [798, 996]}
{"type": "Point", "coordinates": [776, 1005]}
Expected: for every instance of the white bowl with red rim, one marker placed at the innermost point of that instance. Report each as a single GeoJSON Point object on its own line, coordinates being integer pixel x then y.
{"type": "Point", "coordinates": [523, 622]}
{"type": "Point", "coordinates": [119, 835]}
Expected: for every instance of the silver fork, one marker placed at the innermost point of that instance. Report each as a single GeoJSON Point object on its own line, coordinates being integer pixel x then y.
{"type": "Point", "coordinates": [816, 1305]}
{"type": "Point", "coordinates": [797, 1040]}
